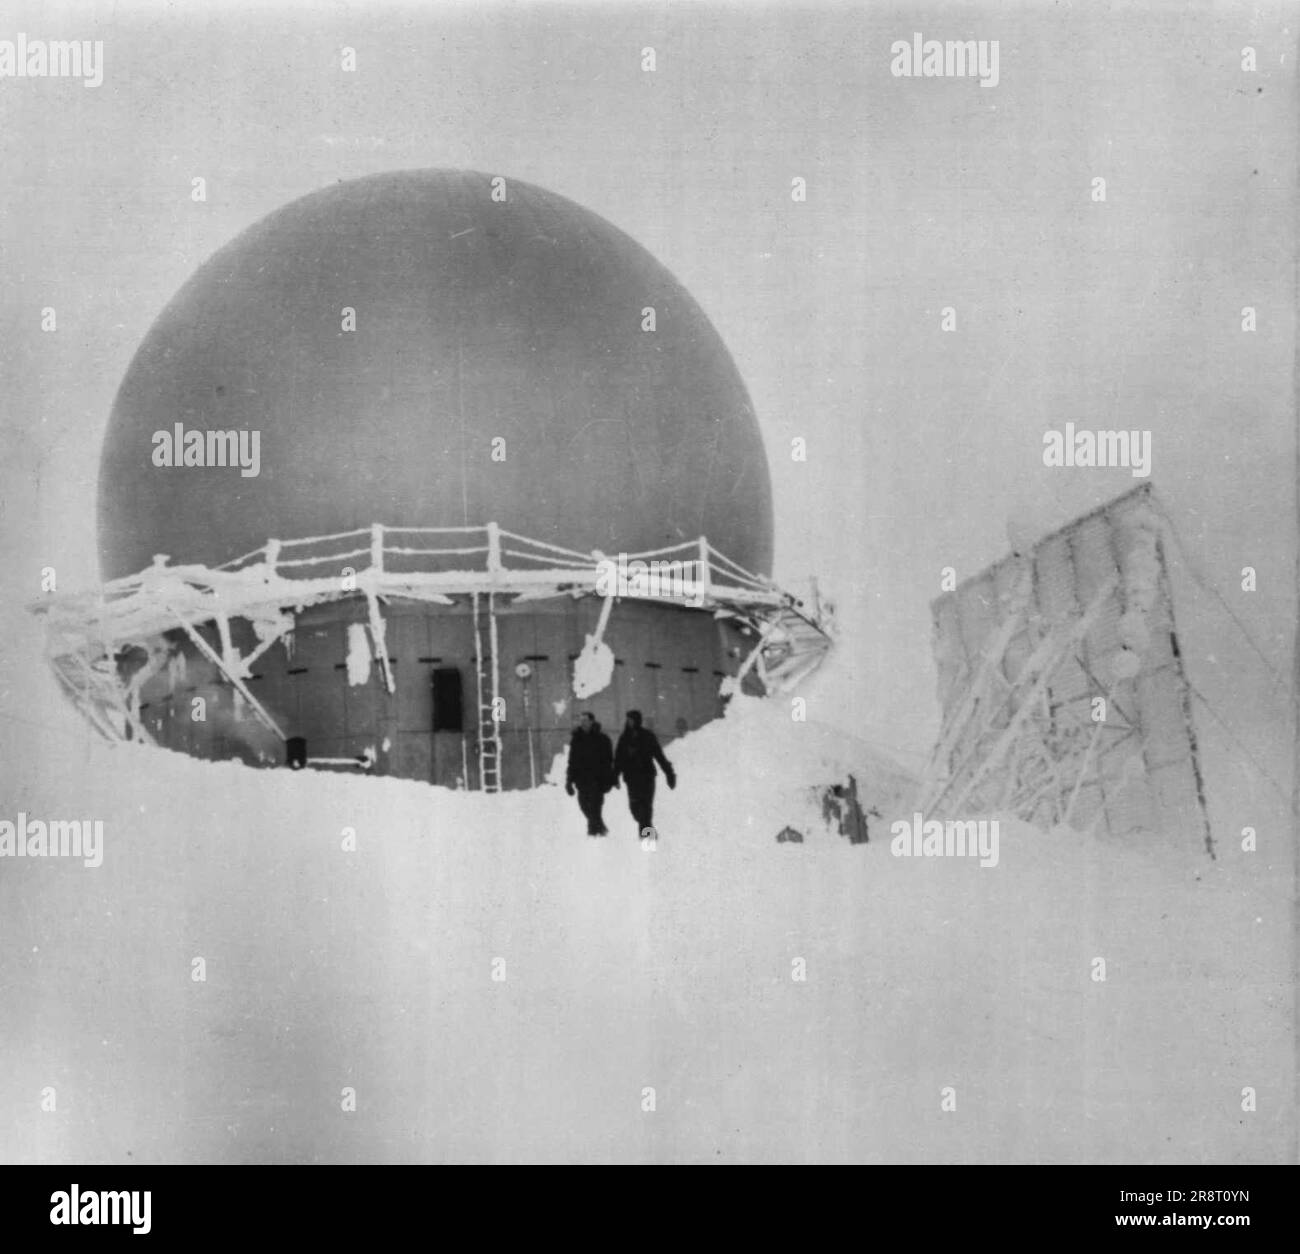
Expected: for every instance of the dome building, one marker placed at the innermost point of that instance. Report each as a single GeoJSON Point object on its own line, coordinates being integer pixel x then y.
{"type": "Point", "coordinates": [366, 470]}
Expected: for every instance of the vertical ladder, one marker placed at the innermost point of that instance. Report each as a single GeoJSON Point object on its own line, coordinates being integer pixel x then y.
{"type": "Point", "coordinates": [488, 690]}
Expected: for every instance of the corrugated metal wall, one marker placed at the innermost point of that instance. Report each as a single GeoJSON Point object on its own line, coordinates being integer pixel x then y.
{"type": "Point", "coordinates": [669, 663]}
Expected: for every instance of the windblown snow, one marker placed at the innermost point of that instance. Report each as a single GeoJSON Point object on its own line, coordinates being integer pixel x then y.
{"type": "Point", "coordinates": [358, 659]}
{"type": "Point", "coordinates": [593, 669]}
{"type": "Point", "coordinates": [487, 983]}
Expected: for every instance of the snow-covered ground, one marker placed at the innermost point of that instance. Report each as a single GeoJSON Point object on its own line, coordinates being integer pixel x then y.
{"type": "Point", "coordinates": [617, 971]}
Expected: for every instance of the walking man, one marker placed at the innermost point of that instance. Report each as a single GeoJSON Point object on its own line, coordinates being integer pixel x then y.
{"type": "Point", "coordinates": [634, 759]}
{"type": "Point", "coordinates": [591, 772]}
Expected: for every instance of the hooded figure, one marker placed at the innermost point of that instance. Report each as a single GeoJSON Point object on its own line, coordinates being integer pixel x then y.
{"type": "Point", "coordinates": [591, 772]}
{"type": "Point", "coordinates": [634, 759]}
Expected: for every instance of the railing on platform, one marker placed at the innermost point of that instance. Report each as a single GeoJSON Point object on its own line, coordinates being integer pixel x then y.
{"type": "Point", "coordinates": [87, 629]}
{"type": "Point", "coordinates": [383, 561]}
{"type": "Point", "coordinates": [496, 545]}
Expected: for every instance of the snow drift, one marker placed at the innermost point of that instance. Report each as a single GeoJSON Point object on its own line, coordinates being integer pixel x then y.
{"type": "Point", "coordinates": [485, 983]}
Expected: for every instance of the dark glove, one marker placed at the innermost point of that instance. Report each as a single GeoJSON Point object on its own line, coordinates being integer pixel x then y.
{"type": "Point", "coordinates": [671, 777]}
{"type": "Point", "coordinates": [569, 788]}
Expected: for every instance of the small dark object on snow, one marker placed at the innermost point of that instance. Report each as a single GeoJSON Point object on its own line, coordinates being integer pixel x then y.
{"type": "Point", "coordinates": [840, 806]}
{"type": "Point", "coordinates": [787, 835]}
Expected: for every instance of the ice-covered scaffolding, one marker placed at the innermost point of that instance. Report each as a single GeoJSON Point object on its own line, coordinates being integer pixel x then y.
{"type": "Point", "coordinates": [484, 566]}
{"type": "Point", "coordinates": [1062, 685]}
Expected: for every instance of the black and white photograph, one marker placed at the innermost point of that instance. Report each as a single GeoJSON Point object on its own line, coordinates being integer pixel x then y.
{"type": "Point", "coordinates": [648, 584]}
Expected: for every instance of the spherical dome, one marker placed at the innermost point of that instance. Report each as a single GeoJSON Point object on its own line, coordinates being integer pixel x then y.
{"type": "Point", "coordinates": [476, 321]}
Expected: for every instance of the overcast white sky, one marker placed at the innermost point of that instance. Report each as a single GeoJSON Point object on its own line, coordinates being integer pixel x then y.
{"type": "Point", "coordinates": [922, 193]}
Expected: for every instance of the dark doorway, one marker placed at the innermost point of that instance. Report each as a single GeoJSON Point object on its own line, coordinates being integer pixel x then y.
{"type": "Point", "coordinates": [448, 707]}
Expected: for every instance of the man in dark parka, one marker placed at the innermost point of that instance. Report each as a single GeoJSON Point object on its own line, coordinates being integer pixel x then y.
{"type": "Point", "coordinates": [634, 761]}
{"type": "Point", "coordinates": [591, 772]}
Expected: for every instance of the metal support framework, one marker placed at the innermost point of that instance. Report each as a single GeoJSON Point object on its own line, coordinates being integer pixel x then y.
{"type": "Point", "coordinates": [1021, 735]}
{"type": "Point", "coordinates": [235, 681]}
{"type": "Point", "coordinates": [439, 565]}
{"type": "Point", "coordinates": [379, 635]}
{"type": "Point", "coordinates": [1052, 650]}
{"type": "Point", "coordinates": [1185, 699]}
